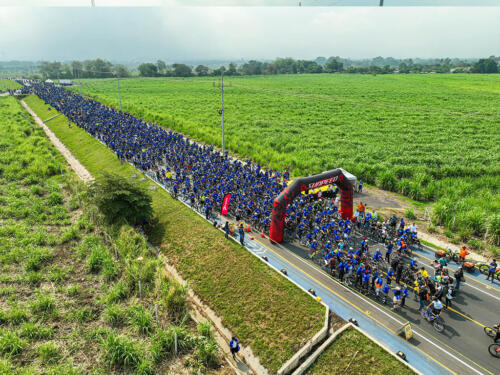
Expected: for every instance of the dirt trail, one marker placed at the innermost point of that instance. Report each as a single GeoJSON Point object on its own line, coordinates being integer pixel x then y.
{"type": "Point", "coordinates": [79, 169]}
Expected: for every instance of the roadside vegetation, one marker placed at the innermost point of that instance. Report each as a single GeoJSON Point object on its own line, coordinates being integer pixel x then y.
{"type": "Point", "coordinates": [432, 138]}
{"type": "Point", "coordinates": [262, 308]}
{"type": "Point", "coordinates": [7, 84]}
{"type": "Point", "coordinates": [77, 289]}
{"type": "Point", "coordinates": [354, 353]}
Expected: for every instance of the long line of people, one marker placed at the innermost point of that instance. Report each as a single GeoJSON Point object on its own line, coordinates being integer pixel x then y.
{"type": "Point", "coordinates": [203, 176]}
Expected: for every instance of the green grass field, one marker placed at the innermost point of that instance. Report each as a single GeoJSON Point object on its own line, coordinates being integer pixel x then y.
{"type": "Point", "coordinates": [7, 84]}
{"type": "Point", "coordinates": [262, 308]}
{"type": "Point", "coordinates": [433, 138]}
{"type": "Point", "coordinates": [67, 305]}
{"type": "Point", "coordinates": [354, 353]}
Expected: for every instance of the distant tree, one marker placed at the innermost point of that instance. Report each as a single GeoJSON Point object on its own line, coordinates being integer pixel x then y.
{"type": "Point", "coordinates": [182, 70]}
{"type": "Point", "coordinates": [306, 66]}
{"type": "Point", "coordinates": [148, 70]}
{"type": "Point", "coordinates": [252, 67]}
{"type": "Point", "coordinates": [120, 199]}
{"type": "Point", "coordinates": [488, 65]}
{"type": "Point", "coordinates": [218, 71]}
{"type": "Point", "coordinates": [403, 68]}
{"type": "Point", "coordinates": [201, 70]}
{"type": "Point", "coordinates": [121, 71]}
{"type": "Point", "coordinates": [333, 66]}
{"type": "Point", "coordinates": [161, 66]}
{"type": "Point", "coordinates": [76, 68]}
{"type": "Point", "coordinates": [231, 70]}
{"type": "Point", "coordinates": [320, 60]}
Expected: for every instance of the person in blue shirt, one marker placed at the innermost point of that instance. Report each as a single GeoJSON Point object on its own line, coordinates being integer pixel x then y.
{"type": "Point", "coordinates": [404, 294]}
{"type": "Point", "coordinates": [366, 279]}
{"type": "Point", "coordinates": [360, 186]}
{"type": "Point", "coordinates": [396, 297]}
{"type": "Point", "coordinates": [234, 346]}
{"type": "Point", "coordinates": [377, 255]}
{"type": "Point", "coordinates": [491, 270]}
{"type": "Point", "coordinates": [341, 268]}
{"type": "Point", "coordinates": [389, 248]}
{"type": "Point", "coordinates": [390, 275]}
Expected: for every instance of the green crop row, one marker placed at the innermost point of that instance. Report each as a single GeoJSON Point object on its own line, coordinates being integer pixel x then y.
{"type": "Point", "coordinates": [68, 305]}
{"type": "Point", "coordinates": [433, 138]}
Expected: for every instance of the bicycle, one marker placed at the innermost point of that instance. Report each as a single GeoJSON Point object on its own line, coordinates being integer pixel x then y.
{"type": "Point", "coordinates": [494, 350]}
{"type": "Point", "coordinates": [492, 332]}
{"type": "Point", "coordinates": [485, 269]}
{"type": "Point", "coordinates": [436, 320]}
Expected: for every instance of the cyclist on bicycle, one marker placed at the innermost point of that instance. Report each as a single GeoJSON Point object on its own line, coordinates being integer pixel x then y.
{"type": "Point", "coordinates": [497, 336]}
{"type": "Point", "coordinates": [435, 307]}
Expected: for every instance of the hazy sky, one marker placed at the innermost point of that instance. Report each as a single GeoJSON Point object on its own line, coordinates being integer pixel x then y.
{"type": "Point", "coordinates": [246, 2]}
{"type": "Point", "coordinates": [189, 33]}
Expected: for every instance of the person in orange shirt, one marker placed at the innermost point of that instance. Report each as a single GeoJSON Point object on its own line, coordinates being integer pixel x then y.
{"type": "Point", "coordinates": [463, 253]}
{"type": "Point", "coordinates": [361, 209]}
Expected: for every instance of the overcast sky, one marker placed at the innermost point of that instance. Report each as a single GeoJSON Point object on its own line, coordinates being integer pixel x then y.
{"type": "Point", "coordinates": [190, 33]}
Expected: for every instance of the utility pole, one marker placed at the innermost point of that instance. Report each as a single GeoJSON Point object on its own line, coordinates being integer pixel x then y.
{"type": "Point", "coordinates": [92, 3]}
{"type": "Point", "coordinates": [119, 95]}
{"type": "Point", "coordinates": [381, 3]}
{"type": "Point", "coordinates": [222, 110]}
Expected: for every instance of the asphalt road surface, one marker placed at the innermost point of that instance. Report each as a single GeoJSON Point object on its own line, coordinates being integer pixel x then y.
{"type": "Point", "coordinates": [462, 347]}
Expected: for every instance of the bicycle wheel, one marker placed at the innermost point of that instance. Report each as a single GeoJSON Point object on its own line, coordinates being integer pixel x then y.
{"type": "Point", "coordinates": [483, 268]}
{"type": "Point", "coordinates": [438, 325]}
{"type": "Point", "coordinates": [490, 331]}
{"type": "Point", "coordinates": [494, 350]}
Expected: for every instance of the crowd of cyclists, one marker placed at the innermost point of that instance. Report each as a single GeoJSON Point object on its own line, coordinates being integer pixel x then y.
{"type": "Point", "coordinates": [349, 250]}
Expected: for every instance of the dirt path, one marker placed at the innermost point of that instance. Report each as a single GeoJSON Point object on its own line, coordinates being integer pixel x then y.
{"type": "Point", "coordinates": [79, 169]}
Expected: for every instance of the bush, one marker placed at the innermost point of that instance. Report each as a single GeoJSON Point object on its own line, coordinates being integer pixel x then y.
{"type": "Point", "coordinates": [37, 258]}
{"type": "Point", "coordinates": [205, 329]}
{"type": "Point", "coordinates": [118, 293]}
{"type": "Point", "coordinates": [36, 332]}
{"type": "Point", "coordinates": [97, 258]}
{"type": "Point", "coordinates": [10, 343]}
{"type": "Point", "coordinates": [115, 315]}
{"type": "Point", "coordinates": [141, 319]}
{"type": "Point", "coordinates": [120, 350]}
{"type": "Point", "coordinates": [70, 235]}
{"type": "Point", "coordinates": [176, 300]}
{"type": "Point", "coordinates": [44, 304]}
{"type": "Point", "coordinates": [410, 214]}
{"type": "Point", "coordinates": [49, 353]}
{"type": "Point", "coordinates": [131, 244]}
{"type": "Point", "coordinates": [494, 229]}
{"type": "Point", "coordinates": [119, 198]}
{"type": "Point", "coordinates": [164, 342]}
{"type": "Point", "coordinates": [207, 352]}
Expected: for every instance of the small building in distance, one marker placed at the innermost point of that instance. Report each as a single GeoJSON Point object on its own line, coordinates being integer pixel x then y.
{"type": "Point", "coordinates": [49, 81]}
{"type": "Point", "coordinates": [66, 82]}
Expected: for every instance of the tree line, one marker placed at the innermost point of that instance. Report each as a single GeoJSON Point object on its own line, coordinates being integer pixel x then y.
{"type": "Point", "coordinates": [100, 68]}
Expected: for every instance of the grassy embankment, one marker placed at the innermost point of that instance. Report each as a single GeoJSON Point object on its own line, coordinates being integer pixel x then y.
{"type": "Point", "coordinates": [432, 138]}
{"type": "Point", "coordinates": [7, 84]}
{"type": "Point", "coordinates": [67, 305]}
{"type": "Point", "coordinates": [354, 353]}
{"type": "Point", "coordinates": [262, 308]}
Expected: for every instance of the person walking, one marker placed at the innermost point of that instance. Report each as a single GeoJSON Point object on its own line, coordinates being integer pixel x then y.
{"type": "Point", "coordinates": [226, 229]}
{"type": "Point", "coordinates": [242, 234]}
{"type": "Point", "coordinates": [360, 186]}
{"type": "Point", "coordinates": [459, 274]}
{"type": "Point", "coordinates": [491, 270]}
{"type": "Point", "coordinates": [404, 295]}
{"type": "Point", "coordinates": [449, 296]}
{"type": "Point", "coordinates": [234, 346]}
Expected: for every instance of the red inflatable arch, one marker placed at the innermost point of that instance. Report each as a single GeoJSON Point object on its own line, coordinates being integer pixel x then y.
{"type": "Point", "coordinates": [335, 176]}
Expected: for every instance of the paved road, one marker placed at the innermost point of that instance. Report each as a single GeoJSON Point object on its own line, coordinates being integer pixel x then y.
{"type": "Point", "coordinates": [461, 348]}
